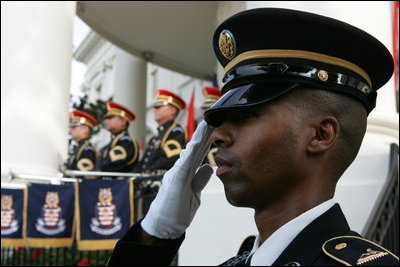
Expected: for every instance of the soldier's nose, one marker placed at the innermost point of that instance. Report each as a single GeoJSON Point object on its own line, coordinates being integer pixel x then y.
{"type": "Point", "coordinates": [221, 137]}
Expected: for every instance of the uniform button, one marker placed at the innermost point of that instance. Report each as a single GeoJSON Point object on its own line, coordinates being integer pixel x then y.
{"type": "Point", "coordinates": [340, 246]}
{"type": "Point", "coordinates": [146, 160]}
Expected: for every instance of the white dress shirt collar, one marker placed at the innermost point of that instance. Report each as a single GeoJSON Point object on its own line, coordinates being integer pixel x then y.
{"type": "Point", "coordinates": [273, 246]}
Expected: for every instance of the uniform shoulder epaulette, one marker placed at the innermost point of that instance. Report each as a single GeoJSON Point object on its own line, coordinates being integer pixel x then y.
{"type": "Point", "coordinates": [354, 250]}
{"type": "Point", "coordinates": [126, 137]}
{"type": "Point", "coordinates": [178, 129]}
{"type": "Point", "coordinates": [88, 148]}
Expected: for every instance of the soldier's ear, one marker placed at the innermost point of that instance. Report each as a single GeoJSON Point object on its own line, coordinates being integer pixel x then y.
{"type": "Point", "coordinates": [325, 132]}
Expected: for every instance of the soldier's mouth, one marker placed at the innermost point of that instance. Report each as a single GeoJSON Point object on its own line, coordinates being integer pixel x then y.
{"type": "Point", "coordinates": [223, 165]}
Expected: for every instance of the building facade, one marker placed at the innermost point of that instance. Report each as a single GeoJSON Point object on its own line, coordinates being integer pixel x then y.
{"type": "Point", "coordinates": [112, 72]}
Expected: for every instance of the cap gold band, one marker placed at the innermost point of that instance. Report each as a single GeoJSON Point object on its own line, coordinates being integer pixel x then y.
{"type": "Point", "coordinates": [212, 98]}
{"type": "Point", "coordinates": [285, 53]}
{"type": "Point", "coordinates": [118, 112]}
{"type": "Point", "coordinates": [81, 121]}
{"type": "Point", "coordinates": [168, 100]}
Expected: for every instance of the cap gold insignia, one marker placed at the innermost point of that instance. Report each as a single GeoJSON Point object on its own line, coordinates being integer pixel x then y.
{"type": "Point", "coordinates": [227, 44]}
{"type": "Point", "coordinates": [370, 255]}
{"type": "Point", "coordinates": [322, 75]}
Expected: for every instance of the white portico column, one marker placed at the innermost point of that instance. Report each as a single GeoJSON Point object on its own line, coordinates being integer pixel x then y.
{"type": "Point", "coordinates": [130, 89]}
{"type": "Point", "coordinates": [36, 49]}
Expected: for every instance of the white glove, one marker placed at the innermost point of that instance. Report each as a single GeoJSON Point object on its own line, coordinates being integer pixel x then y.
{"type": "Point", "coordinates": [178, 199]}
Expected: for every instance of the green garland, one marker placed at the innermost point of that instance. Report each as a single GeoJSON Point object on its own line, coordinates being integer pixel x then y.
{"type": "Point", "coordinates": [97, 109]}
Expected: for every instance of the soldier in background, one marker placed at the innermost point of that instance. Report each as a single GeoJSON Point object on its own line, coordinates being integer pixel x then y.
{"type": "Point", "coordinates": [162, 150]}
{"type": "Point", "coordinates": [121, 154]}
{"type": "Point", "coordinates": [211, 94]}
{"type": "Point", "coordinates": [82, 155]}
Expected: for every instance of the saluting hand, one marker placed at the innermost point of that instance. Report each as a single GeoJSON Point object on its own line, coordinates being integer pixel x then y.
{"type": "Point", "coordinates": [178, 199]}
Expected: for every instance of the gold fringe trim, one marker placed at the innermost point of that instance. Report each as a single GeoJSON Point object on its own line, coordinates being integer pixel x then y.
{"type": "Point", "coordinates": [48, 242]}
{"type": "Point", "coordinates": [101, 244]}
{"type": "Point", "coordinates": [10, 242]}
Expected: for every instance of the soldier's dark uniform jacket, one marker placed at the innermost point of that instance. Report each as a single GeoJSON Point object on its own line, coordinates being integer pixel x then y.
{"type": "Point", "coordinates": [83, 157]}
{"type": "Point", "coordinates": [120, 155]}
{"type": "Point", "coordinates": [327, 241]}
{"type": "Point", "coordinates": [163, 150]}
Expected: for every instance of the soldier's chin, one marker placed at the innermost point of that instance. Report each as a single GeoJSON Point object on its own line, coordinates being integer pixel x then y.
{"type": "Point", "coordinates": [237, 199]}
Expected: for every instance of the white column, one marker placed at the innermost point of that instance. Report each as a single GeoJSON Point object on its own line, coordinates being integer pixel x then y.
{"type": "Point", "coordinates": [36, 48]}
{"type": "Point", "coordinates": [130, 89]}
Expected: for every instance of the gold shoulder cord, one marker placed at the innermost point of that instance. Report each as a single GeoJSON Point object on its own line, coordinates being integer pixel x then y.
{"type": "Point", "coordinates": [210, 156]}
{"type": "Point", "coordinates": [165, 144]}
{"type": "Point", "coordinates": [116, 139]}
{"type": "Point", "coordinates": [136, 152]}
{"type": "Point", "coordinates": [167, 134]}
{"type": "Point", "coordinates": [114, 148]}
{"type": "Point", "coordinates": [78, 155]}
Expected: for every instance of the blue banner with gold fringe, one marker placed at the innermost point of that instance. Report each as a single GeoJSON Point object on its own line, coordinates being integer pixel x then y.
{"type": "Point", "coordinates": [12, 201]}
{"type": "Point", "coordinates": [50, 215]}
{"type": "Point", "coordinates": [104, 212]}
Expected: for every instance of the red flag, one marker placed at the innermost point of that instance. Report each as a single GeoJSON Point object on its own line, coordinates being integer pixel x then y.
{"type": "Point", "coordinates": [191, 122]}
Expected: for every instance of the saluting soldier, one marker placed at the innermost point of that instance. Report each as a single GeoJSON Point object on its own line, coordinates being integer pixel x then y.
{"type": "Point", "coordinates": [83, 154]}
{"type": "Point", "coordinates": [298, 88]}
{"type": "Point", "coordinates": [121, 154]}
{"type": "Point", "coordinates": [211, 95]}
{"type": "Point", "coordinates": [163, 149]}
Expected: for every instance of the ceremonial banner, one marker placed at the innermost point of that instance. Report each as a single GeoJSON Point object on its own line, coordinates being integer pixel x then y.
{"type": "Point", "coordinates": [50, 215]}
{"type": "Point", "coordinates": [104, 212]}
{"type": "Point", "coordinates": [12, 201]}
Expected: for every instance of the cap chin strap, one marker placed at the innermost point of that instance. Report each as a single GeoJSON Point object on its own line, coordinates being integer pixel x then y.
{"type": "Point", "coordinates": [322, 77]}
{"type": "Point", "coordinates": [300, 54]}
